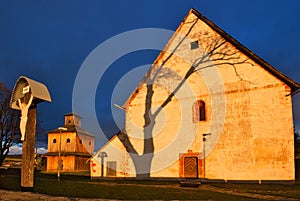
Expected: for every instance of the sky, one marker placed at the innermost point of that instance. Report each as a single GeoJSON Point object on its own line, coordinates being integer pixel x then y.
{"type": "Point", "coordinates": [49, 41]}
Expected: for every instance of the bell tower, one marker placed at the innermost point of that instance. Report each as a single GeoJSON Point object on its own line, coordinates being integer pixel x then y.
{"type": "Point", "coordinates": [72, 119]}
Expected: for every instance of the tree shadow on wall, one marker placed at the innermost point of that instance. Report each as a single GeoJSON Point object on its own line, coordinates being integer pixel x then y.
{"type": "Point", "coordinates": [215, 51]}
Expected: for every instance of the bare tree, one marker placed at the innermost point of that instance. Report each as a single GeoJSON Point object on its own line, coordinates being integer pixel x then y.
{"type": "Point", "coordinates": [41, 134]}
{"type": "Point", "coordinates": [9, 123]}
{"type": "Point", "coordinates": [216, 51]}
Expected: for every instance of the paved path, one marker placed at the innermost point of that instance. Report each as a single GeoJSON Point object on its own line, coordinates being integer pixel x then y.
{"type": "Point", "coordinates": [250, 195]}
{"type": "Point", "coordinates": [28, 196]}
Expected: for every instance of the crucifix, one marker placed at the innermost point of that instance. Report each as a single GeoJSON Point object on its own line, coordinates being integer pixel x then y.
{"type": "Point", "coordinates": [26, 95]}
{"type": "Point", "coordinates": [24, 107]}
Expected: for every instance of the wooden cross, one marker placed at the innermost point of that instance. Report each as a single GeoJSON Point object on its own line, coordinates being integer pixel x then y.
{"type": "Point", "coordinates": [27, 93]}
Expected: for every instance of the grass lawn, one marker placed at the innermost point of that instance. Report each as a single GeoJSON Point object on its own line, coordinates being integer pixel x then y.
{"type": "Point", "coordinates": [110, 190]}
{"type": "Point", "coordinates": [83, 187]}
{"type": "Point", "coordinates": [125, 190]}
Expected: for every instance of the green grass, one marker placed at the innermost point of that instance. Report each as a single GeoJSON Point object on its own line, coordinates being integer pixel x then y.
{"type": "Point", "coordinates": [112, 190]}
{"type": "Point", "coordinates": [75, 186]}
{"type": "Point", "coordinates": [78, 186]}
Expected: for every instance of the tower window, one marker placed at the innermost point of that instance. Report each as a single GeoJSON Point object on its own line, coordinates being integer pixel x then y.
{"type": "Point", "coordinates": [68, 140]}
{"type": "Point", "coordinates": [54, 141]}
{"type": "Point", "coordinates": [80, 141]}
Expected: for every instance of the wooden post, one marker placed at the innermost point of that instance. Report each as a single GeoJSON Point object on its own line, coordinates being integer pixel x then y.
{"type": "Point", "coordinates": [27, 171]}
{"type": "Point", "coordinates": [35, 92]}
{"type": "Point", "coordinates": [59, 158]}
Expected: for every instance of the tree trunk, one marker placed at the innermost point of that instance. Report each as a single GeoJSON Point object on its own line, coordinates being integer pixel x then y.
{"type": "Point", "coordinates": [142, 165]}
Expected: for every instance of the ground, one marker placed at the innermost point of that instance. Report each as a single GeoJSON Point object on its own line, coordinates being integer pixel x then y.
{"type": "Point", "coordinates": [81, 188]}
{"type": "Point", "coordinates": [12, 195]}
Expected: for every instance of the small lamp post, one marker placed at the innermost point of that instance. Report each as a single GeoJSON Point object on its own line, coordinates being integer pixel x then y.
{"type": "Point", "coordinates": [204, 140]}
{"type": "Point", "coordinates": [59, 162]}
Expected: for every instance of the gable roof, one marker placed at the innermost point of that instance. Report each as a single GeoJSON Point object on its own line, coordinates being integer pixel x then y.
{"type": "Point", "coordinates": [105, 145]}
{"type": "Point", "coordinates": [291, 83]}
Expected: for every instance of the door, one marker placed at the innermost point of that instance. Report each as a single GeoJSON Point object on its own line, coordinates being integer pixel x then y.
{"type": "Point", "coordinates": [111, 168]}
{"type": "Point", "coordinates": [190, 167]}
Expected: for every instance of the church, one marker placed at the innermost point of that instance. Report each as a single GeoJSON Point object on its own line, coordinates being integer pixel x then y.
{"type": "Point", "coordinates": [208, 108]}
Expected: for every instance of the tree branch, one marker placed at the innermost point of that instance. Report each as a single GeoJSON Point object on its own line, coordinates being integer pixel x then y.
{"type": "Point", "coordinates": [123, 137]}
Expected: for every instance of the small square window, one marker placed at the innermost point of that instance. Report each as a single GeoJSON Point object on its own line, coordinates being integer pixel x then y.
{"type": "Point", "coordinates": [194, 45]}
{"type": "Point", "coordinates": [54, 141]}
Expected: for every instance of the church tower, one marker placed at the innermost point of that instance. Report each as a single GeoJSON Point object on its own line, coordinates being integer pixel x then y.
{"type": "Point", "coordinates": [72, 119]}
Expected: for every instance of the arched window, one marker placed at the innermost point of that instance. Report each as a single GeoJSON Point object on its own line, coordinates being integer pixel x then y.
{"type": "Point", "coordinates": [202, 115]}
{"type": "Point", "coordinates": [68, 140]}
{"type": "Point", "coordinates": [54, 141]}
{"type": "Point", "coordinates": [199, 113]}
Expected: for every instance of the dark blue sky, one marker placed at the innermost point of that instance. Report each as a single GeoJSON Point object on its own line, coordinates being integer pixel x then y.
{"type": "Point", "coordinates": [49, 40]}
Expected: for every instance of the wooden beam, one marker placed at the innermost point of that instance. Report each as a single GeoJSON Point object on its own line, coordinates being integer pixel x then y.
{"type": "Point", "coordinates": [27, 171]}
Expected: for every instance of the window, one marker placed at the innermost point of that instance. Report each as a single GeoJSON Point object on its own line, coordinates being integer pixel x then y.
{"type": "Point", "coordinates": [68, 140]}
{"type": "Point", "coordinates": [199, 113]}
{"type": "Point", "coordinates": [194, 45]}
{"type": "Point", "coordinates": [54, 141]}
{"type": "Point", "coordinates": [80, 141]}
{"type": "Point", "coordinates": [90, 143]}
{"type": "Point", "coordinates": [202, 111]}
{"type": "Point", "coordinates": [111, 168]}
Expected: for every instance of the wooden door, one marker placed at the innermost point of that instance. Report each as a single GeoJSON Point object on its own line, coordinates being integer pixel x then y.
{"type": "Point", "coordinates": [190, 167]}
{"type": "Point", "coordinates": [111, 168]}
